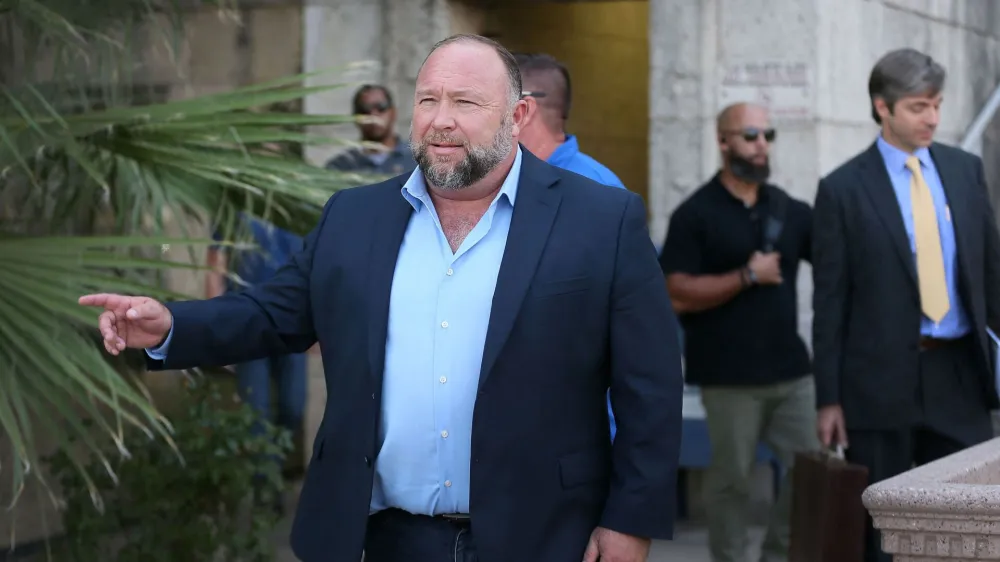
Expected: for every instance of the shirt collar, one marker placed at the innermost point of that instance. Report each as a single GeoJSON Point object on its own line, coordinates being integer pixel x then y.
{"type": "Point", "coordinates": [415, 188]}
{"type": "Point", "coordinates": [895, 158]}
{"type": "Point", "coordinates": [565, 151]}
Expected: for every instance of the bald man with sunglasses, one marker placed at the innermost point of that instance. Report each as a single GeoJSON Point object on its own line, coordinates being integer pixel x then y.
{"type": "Point", "coordinates": [731, 260]}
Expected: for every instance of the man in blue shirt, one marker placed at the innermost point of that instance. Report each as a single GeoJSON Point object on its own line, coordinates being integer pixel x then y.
{"type": "Point", "coordinates": [548, 92]}
{"type": "Point", "coordinates": [549, 95]}
{"type": "Point", "coordinates": [906, 272]}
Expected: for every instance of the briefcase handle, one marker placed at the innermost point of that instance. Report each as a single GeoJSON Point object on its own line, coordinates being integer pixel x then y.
{"type": "Point", "coordinates": [835, 453]}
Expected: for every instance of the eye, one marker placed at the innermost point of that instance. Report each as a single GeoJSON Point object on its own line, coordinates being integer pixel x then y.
{"type": "Point", "coordinates": [463, 102]}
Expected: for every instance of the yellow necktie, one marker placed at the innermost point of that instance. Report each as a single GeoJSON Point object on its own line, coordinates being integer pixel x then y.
{"type": "Point", "coordinates": [930, 259]}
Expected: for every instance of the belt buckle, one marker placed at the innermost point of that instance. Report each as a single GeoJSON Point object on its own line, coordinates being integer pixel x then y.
{"type": "Point", "coordinates": [456, 517]}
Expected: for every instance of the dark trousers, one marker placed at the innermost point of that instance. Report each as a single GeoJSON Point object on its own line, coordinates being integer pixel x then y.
{"type": "Point", "coordinates": [397, 536]}
{"type": "Point", "coordinates": [951, 415]}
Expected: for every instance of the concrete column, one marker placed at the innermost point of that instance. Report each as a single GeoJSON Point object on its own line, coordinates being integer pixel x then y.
{"type": "Point", "coordinates": [411, 29]}
{"type": "Point", "coordinates": [677, 109]}
{"type": "Point", "coordinates": [343, 39]}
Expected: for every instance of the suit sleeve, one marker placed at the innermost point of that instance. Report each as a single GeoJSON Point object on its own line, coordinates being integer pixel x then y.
{"type": "Point", "coordinates": [806, 212]}
{"type": "Point", "coordinates": [831, 293]}
{"type": "Point", "coordinates": [273, 318]}
{"type": "Point", "coordinates": [991, 262]}
{"type": "Point", "coordinates": [646, 388]}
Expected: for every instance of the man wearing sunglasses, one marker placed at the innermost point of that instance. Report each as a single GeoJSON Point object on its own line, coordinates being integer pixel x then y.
{"type": "Point", "coordinates": [384, 151]}
{"type": "Point", "coordinates": [731, 258]}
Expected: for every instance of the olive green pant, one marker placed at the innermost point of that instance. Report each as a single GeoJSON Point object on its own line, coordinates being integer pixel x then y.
{"type": "Point", "coordinates": [781, 415]}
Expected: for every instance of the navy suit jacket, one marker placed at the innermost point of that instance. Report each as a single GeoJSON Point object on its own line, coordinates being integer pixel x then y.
{"type": "Point", "coordinates": [580, 304]}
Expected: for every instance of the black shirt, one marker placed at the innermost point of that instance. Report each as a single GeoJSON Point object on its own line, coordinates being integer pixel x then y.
{"type": "Point", "coordinates": [753, 339]}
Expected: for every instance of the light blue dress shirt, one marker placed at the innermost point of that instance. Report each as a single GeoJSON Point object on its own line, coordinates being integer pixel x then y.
{"type": "Point", "coordinates": [439, 312]}
{"type": "Point", "coordinates": [955, 324]}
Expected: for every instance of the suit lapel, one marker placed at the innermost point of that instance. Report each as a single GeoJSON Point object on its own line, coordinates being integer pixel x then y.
{"type": "Point", "coordinates": [878, 186]}
{"type": "Point", "coordinates": [534, 212]}
{"type": "Point", "coordinates": [386, 240]}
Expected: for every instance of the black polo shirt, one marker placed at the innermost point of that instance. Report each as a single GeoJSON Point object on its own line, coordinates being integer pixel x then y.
{"type": "Point", "coordinates": [753, 339]}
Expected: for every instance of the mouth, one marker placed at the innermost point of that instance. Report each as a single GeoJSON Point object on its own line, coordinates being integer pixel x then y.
{"type": "Point", "coordinates": [444, 148]}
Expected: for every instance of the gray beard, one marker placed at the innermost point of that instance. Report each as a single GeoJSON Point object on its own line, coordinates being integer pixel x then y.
{"type": "Point", "coordinates": [479, 161]}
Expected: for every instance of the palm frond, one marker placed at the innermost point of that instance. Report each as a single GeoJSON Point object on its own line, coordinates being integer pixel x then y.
{"type": "Point", "coordinates": [50, 359]}
{"type": "Point", "coordinates": [72, 167]}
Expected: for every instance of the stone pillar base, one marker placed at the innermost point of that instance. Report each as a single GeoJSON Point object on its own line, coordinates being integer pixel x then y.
{"type": "Point", "coordinates": [945, 511]}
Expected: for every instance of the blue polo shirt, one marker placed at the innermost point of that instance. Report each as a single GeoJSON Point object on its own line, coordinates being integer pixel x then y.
{"type": "Point", "coordinates": [569, 157]}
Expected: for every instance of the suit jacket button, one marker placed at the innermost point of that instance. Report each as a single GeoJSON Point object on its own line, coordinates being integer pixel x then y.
{"type": "Point", "coordinates": [368, 461]}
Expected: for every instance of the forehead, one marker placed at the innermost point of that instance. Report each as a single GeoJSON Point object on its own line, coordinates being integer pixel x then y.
{"type": "Point", "coordinates": [463, 67]}
{"type": "Point", "coordinates": [749, 116]}
{"type": "Point", "coordinates": [372, 96]}
{"type": "Point", "coordinates": [923, 98]}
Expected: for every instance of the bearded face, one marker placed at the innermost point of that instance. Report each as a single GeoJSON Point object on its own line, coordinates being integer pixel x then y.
{"type": "Point", "coordinates": [451, 162]}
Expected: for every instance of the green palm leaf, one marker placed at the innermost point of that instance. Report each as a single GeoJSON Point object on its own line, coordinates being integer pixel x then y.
{"type": "Point", "coordinates": [128, 171]}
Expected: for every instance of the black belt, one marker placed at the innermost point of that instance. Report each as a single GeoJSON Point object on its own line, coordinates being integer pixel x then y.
{"type": "Point", "coordinates": [456, 518]}
{"type": "Point", "coordinates": [460, 519]}
{"type": "Point", "coordinates": [928, 343]}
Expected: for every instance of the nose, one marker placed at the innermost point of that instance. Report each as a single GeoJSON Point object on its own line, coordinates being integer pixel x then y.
{"type": "Point", "coordinates": [443, 119]}
{"type": "Point", "coordinates": [933, 116]}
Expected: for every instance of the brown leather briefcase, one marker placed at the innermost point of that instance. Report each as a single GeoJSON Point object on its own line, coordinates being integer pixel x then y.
{"type": "Point", "coordinates": [828, 518]}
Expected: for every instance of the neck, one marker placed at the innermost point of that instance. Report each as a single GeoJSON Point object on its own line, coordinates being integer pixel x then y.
{"type": "Point", "coordinates": [544, 142]}
{"type": "Point", "coordinates": [741, 189]}
{"type": "Point", "coordinates": [485, 188]}
{"type": "Point", "coordinates": [890, 138]}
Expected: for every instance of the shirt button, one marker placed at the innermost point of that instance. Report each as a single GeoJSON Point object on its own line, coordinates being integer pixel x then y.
{"type": "Point", "coordinates": [444, 434]}
{"type": "Point", "coordinates": [450, 271]}
{"type": "Point", "coordinates": [447, 483]}
{"type": "Point", "coordinates": [444, 324]}
{"type": "Point", "coordinates": [443, 380]}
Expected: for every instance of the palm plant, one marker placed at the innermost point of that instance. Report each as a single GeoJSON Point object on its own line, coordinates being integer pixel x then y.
{"type": "Point", "coordinates": [88, 184]}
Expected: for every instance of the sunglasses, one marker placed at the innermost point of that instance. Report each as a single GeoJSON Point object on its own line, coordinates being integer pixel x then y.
{"type": "Point", "coordinates": [380, 107]}
{"type": "Point", "coordinates": [751, 134]}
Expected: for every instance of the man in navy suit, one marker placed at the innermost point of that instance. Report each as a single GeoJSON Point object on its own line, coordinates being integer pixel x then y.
{"type": "Point", "coordinates": [471, 317]}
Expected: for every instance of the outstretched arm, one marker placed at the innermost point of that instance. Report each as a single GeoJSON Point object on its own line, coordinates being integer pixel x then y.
{"type": "Point", "coordinates": [273, 318]}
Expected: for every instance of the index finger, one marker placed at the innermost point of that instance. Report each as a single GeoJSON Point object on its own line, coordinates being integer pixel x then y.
{"type": "Point", "coordinates": [105, 300]}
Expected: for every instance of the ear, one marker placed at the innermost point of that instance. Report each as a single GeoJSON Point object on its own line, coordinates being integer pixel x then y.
{"type": "Point", "coordinates": [523, 113]}
{"type": "Point", "coordinates": [882, 108]}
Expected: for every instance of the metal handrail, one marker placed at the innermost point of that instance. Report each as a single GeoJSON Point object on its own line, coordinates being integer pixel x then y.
{"type": "Point", "coordinates": [974, 134]}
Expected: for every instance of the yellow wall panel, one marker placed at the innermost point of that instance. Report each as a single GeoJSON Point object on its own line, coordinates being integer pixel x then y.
{"type": "Point", "coordinates": [606, 48]}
